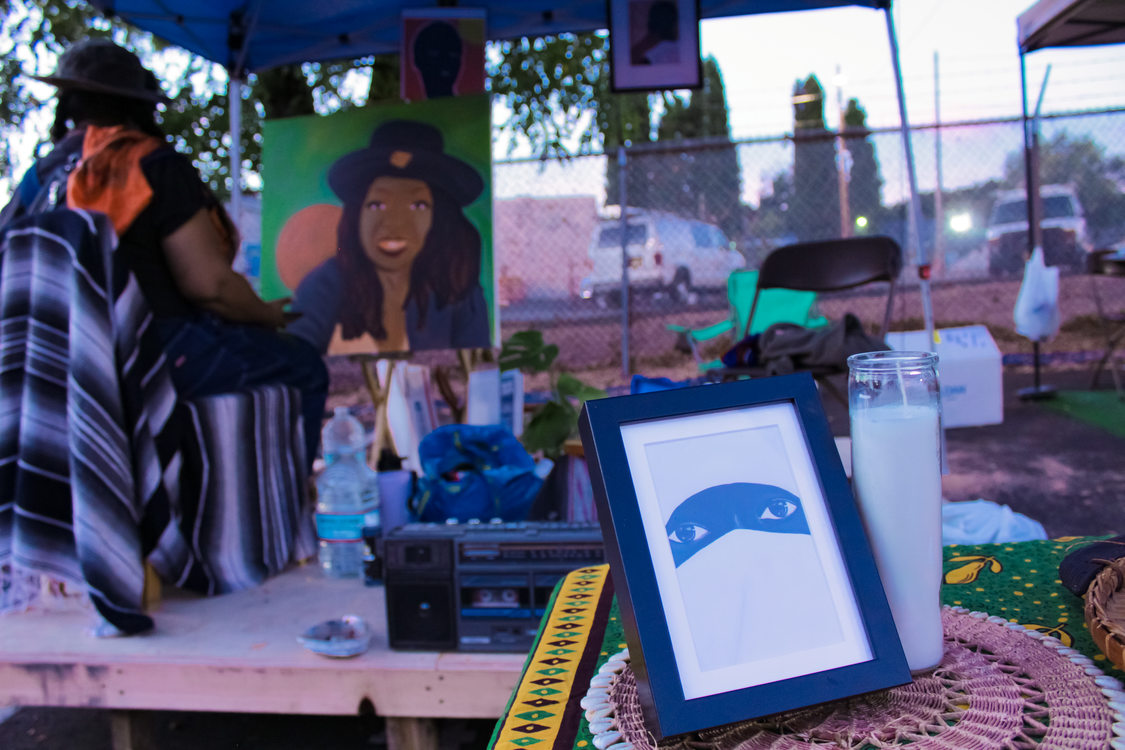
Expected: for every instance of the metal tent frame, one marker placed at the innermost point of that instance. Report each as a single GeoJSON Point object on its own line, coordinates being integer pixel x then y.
{"type": "Point", "coordinates": [1059, 23]}
{"type": "Point", "coordinates": [1055, 23]}
{"type": "Point", "coordinates": [251, 35]}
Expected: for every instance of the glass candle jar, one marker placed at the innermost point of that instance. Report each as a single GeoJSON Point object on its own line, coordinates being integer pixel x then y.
{"type": "Point", "coordinates": [894, 406]}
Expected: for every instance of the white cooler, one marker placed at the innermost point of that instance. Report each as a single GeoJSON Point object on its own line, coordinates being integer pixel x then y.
{"type": "Point", "coordinates": [969, 370]}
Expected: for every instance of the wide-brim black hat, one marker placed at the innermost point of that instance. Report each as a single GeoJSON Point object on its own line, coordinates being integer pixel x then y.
{"type": "Point", "coordinates": [103, 67]}
{"type": "Point", "coordinates": [404, 148]}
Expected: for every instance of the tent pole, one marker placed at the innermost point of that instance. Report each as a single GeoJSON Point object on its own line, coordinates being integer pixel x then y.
{"type": "Point", "coordinates": [915, 223]}
{"type": "Point", "coordinates": [1038, 391]}
{"type": "Point", "coordinates": [623, 199]}
{"type": "Point", "coordinates": [1031, 158]}
{"type": "Point", "coordinates": [234, 96]}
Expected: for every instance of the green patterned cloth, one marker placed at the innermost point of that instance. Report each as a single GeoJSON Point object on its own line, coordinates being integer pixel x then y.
{"type": "Point", "coordinates": [1020, 582]}
{"type": "Point", "coordinates": [1017, 581]}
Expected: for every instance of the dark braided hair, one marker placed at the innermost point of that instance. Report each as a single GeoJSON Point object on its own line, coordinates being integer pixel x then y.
{"type": "Point", "coordinates": [448, 267]}
{"type": "Point", "coordinates": [74, 106]}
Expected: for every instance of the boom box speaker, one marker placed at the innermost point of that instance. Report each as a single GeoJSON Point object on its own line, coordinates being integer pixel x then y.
{"type": "Point", "coordinates": [420, 615]}
{"type": "Point", "coordinates": [478, 587]}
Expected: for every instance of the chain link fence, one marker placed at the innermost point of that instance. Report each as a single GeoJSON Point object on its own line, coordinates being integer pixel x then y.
{"type": "Point", "coordinates": [697, 210]}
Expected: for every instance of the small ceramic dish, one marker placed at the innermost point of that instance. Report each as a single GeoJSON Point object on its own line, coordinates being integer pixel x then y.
{"type": "Point", "coordinates": [347, 636]}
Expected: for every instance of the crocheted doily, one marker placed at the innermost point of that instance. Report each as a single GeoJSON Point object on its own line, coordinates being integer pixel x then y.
{"type": "Point", "coordinates": [999, 685]}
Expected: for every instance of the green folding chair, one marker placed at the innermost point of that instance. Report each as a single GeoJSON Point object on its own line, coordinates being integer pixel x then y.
{"type": "Point", "coordinates": [824, 266]}
{"type": "Point", "coordinates": [773, 306]}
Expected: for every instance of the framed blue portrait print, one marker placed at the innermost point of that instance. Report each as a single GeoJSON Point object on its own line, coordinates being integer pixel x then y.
{"type": "Point", "coordinates": [744, 576]}
{"type": "Point", "coordinates": [654, 44]}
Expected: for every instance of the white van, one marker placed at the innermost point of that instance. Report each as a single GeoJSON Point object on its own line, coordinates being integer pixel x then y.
{"type": "Point", "coordinates": [668, 254]}
{"type": "Point", "coordinates": [1065, 241]}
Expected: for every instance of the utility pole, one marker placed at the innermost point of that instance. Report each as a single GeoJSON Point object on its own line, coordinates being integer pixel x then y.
{"type": "Point", "coordinates": [843, 160]}
{"type": "Point", "coordinates": [939, 213]}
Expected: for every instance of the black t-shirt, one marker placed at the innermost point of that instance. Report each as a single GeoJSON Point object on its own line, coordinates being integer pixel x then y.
{"type": "Point", "coordinates": [178, 194]}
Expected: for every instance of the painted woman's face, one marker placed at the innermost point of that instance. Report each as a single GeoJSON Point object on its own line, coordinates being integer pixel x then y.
{"type": "Point", "coordinates": [396, 217]}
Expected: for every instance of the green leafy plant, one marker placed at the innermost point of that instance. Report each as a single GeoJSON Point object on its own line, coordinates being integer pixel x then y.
{"type": "Point", "coordinates": [557, 419]}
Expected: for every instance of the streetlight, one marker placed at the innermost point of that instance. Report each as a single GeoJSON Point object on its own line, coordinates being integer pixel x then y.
{"type": "Point", "coordinates": [961, 223]}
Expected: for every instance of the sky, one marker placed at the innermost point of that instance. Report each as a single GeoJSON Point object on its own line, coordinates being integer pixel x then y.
{"type": "Point", "coordinates": [977, 62]}
{"type": "Point", "coordinates": [976, 68]}
{"type": "Point", "coordinates": [960, 63]}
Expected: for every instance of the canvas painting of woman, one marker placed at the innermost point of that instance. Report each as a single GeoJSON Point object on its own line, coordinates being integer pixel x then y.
{"type": "Point", "coordinates": [399, 260]}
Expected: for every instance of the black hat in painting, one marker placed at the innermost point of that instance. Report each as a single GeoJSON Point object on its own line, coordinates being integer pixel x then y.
{"type": "Point", "coordinates": [405, 148]}
{"type": "Point", "coordinates": [100, 66]}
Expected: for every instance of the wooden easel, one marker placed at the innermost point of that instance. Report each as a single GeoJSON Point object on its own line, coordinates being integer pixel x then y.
{"type": "Point", "coordinates": [379, 392]}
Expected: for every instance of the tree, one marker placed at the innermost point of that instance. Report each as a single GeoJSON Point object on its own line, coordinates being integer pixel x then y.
{"type": "Point", "coordinates": [557, 92]}
{"type": "Point", "coordinates": [1080, 161]}
{"type": "Point", "coordinates": [704, 181]}
{"type": "Point", "coordinates": [556, 88]}
{"type": "Point", "coordinates": [814, 212]}
{"type": "Point", "coordinates": [768, 226]}
{"type": "Point", "coordinates": [865, 184]}
{"type": "Point", "coordinates": [626, 120]}
{"type": "Point", "coordinates": [33, 34]}
{"type": "Point", "coordinates": [551, 87]}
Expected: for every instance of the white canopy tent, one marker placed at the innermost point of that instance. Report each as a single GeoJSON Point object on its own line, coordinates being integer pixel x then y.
{"type": "Point", "coordinates": [1056, 23]}
{"type": "Point", "coordinates": [1071, 23]}
{"type": "Point", "coordinates": [1059, 23]}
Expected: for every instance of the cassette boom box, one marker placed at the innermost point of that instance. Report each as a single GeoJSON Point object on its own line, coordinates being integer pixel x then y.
{"type": "Point", "coordinates": [477, 586]}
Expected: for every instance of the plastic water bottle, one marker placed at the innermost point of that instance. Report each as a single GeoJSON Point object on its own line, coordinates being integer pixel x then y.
{"type": "Point", "coordinates": [347, 497]}
{"type": "Point", "coordinates": [342, 435]}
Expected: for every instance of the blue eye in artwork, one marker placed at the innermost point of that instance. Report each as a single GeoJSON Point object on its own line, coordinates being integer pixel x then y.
{"type": "Point", "coordinates": [710, 514]}
{"type": "Point", "coordinates": [686, 533]}
{"type": "Point", "coordinates": [778, 509]}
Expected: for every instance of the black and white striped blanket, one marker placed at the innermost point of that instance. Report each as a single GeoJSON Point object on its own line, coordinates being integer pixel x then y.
{"type": "Point", "coordinates": [101, 468]}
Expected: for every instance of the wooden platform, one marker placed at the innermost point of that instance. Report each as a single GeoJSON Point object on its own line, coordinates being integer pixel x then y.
{"type": "Point", "coordinates": [239, 653]}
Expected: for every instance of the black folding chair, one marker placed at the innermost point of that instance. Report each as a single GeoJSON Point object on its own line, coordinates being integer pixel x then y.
{"type": "Point", "coordinates": [825, 266]}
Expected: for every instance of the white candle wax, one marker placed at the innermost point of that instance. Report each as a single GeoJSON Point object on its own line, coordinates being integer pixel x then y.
{"type": "Point", "coordinates": [897, 476]}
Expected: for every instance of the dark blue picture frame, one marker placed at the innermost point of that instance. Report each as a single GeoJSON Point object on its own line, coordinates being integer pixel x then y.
{"type": "Point", "coordinates": [629, 75]}
{"type": "Point", "coordinates": [661, 691]}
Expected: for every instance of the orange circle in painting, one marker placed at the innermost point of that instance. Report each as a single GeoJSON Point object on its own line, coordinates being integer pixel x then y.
{"type": "Point", "coordinates": [307, 239]}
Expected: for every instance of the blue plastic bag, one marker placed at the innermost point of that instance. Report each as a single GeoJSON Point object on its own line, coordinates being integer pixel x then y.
{"type": "Point", "coordinates": [474, 471]}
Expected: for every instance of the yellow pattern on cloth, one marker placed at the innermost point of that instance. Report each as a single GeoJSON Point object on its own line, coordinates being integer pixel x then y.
{"type": "Point", "coordinates": [537, 707]}
{"type": "Point", "coordinates": [1014, 581]}
{"type": "Point", "coordinates": [109, 179]}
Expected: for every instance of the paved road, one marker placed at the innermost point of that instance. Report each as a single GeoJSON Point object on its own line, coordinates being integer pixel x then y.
{"type": "Point", "coordinates": [576, 310]}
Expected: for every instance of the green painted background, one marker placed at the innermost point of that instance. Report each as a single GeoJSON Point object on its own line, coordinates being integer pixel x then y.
{"type": "Point", "coordinates": [297, 152]}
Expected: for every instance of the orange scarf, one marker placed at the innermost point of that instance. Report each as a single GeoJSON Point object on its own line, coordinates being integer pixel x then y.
{"type": "Point", "coordinates": [109, 179]}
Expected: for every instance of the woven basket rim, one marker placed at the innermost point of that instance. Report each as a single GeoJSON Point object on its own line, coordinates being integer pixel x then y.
{"type": "Point", "coordinates": [1107, 631]}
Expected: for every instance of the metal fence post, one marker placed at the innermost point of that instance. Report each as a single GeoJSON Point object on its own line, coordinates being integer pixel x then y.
{"type": "Point", "coordinates": [623, 199]}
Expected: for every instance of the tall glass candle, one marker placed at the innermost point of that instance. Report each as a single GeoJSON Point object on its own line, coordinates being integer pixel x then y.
{"type": "Point", "coordinates": [895, 410]}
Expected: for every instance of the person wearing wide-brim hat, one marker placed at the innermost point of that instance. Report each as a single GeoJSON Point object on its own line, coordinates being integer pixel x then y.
{"type": "Point", "coordinates": [111, 156]}
{"type": "Point", "coordinates": [406, 273]}
{"type": "Point", "coordinates": [101, 66]}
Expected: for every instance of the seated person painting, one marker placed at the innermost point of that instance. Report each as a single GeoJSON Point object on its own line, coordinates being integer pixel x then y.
{"type": "Point", "coordinates": [144, 419]}
{"type": "Point", "coordinates": [174, 235]}
{"type": "Point", "coordinates": [406, 271]}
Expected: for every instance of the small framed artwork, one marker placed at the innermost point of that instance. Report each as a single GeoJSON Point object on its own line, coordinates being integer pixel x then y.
{"type": "Point", "coordinates": [442, 52]}
{"type": "Point", "coordinates": [744, 576]}
{"type": "Point", "coordinates": [654, 44]}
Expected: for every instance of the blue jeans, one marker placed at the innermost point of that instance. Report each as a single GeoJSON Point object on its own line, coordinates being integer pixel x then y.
{"type": "Point", "coordinates": [208, 356]}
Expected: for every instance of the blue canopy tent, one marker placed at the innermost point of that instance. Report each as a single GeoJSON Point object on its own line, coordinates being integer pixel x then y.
{"type": "Point", "coordinates": [252, 35]}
